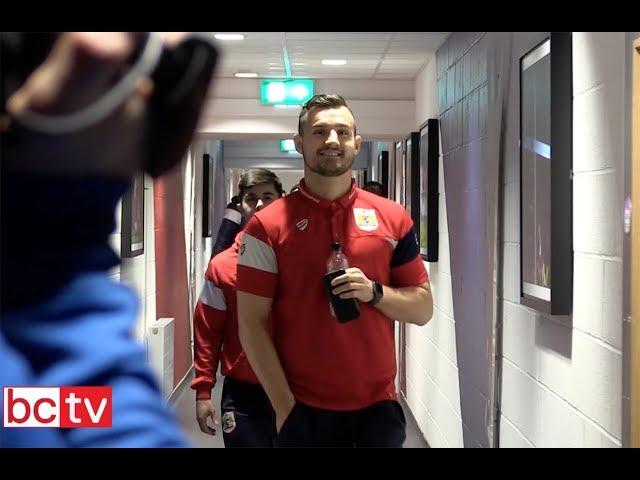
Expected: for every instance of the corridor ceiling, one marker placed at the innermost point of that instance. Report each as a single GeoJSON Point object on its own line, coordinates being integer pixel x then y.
{"type": "Point", "coordinates": [369, 55]}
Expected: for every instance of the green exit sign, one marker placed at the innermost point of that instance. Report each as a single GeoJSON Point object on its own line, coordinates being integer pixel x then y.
{"type": "Point", "coordinates": [287, 145]}
{"type": "Point", "coordinates": [285, 92]}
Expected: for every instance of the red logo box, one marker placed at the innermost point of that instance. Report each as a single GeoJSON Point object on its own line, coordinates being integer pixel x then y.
{"type": "Point", "coordinates": [58, 407]}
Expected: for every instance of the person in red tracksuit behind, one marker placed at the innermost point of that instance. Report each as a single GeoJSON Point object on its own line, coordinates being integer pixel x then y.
{"type": "Point", "coordinates": [247, 417]}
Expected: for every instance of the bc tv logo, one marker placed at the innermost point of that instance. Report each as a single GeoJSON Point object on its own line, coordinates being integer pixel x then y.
{"type": "Point", "coordinates": [58, 407]}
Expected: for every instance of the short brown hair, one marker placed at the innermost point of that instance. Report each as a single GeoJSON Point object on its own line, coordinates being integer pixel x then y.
{"type": "Point", "coordinates": [374, 187]}
{"type": "Point", "coordinates": [323, 101]}
{"type": "Point", "coordinates": [259, 176]}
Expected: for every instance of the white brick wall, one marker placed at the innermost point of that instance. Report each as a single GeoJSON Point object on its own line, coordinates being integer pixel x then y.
{"type": "Point", "coordinates": [132, 273]}
{"type": "Point", "coordinates": [149, 256]}
{"type": "Point", "coordinates": [429, 357]}
{"type": "Point", "coordinates": [139, 272]}
{"type": "Point", "coordinates": [428, 393]}
{"type": "Point", "coordinates": [562, 375]}
{"type": "Point", "coordinates": [426, 422]}
{"type": "Point", "coordinates": [433, 390]}
{"type": "Point", "coordinates": [511, 436]}
{"type": "Point", "coordinates": [597, 212]}
{"type": "Point", "coordinates": [594, 142]}
{"type": "Point", "coordinates": [202, 245]}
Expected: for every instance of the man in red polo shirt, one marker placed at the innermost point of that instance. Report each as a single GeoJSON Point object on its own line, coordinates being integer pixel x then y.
{"type": "Point", "coordinates": [247, 417]}
{"type": "Point", "coordinates": [330, 383]}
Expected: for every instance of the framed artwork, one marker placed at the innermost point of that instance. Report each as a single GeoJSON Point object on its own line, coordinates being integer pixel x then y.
{"type": "Point", "coordinates": [360, 177]}
{"type": "Point", "coordinates": [391, 187]}
{"type": "Point", "coordinates": [399, 173]}
{"type": "Point", "coordinates": [132, 237]}
{"type": "Point", "coordinates": [207, 195]}
{"type": "Point", "coordinates": [383, 163]}
{"type": "Point", "coordinates": [546, 253]}
{"type": "Point", "coordinates": [427, 228]}
{"type": "Point", "coordinates": [412, 176]}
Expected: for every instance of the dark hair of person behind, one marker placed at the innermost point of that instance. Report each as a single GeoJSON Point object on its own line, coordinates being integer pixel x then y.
{"type": "Point", "coordinates": [374, 187]}
{"type": "Point", "coordinates": [259, 176]}
{"type": "Point", "coordinates": [322, 101]}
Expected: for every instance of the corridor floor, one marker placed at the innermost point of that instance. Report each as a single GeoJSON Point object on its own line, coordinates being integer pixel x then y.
{"type": "Point", "coordinates": [184, 406]}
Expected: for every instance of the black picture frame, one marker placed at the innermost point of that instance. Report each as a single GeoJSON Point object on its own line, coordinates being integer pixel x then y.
{"type": "Point", "coordinates": [132, 235]}
{"type": "Point", "coordinates": [207, 195]}
{"type": "Point", "coordinates": [383, 165]}
{"type": "Point", "coordinates": [546, 109]}
{"type": "Point", "coordinates": [427, 227]}
{"type": "Point", "coordinates": [412, 159]}
{"type": "Point", "coordinates": [399, 173]}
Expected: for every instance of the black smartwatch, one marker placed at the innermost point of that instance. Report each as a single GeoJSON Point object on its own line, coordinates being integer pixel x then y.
{"type": "Point", "coordinates": [377, 293]}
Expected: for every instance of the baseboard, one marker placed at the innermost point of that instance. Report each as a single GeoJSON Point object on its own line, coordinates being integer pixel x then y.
{"type": "Point", "coordinates": [180, 387]}
{"type": "Point", "coordinates": [405, 406]}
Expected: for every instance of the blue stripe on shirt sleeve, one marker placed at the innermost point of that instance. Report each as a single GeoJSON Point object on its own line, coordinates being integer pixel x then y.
{"type": "Point", "coordinates": [406, 249]}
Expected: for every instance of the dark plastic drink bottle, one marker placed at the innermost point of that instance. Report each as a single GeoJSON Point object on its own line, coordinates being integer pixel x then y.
{"type": "Point", "coordinates": [344, 309]}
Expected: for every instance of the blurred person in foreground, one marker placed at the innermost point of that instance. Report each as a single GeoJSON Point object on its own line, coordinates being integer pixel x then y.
{"type": "Point", "coordinates": [82, 113]}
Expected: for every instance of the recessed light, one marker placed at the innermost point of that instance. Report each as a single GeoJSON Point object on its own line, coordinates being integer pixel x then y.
{"type": "Point", "coordinates": [298, 64]}
{"type": "Point", "coordinates": [246, 75]}
{"type": "Point", "coordinates": [229, 36]}
{"type": "Point", "coordinates": [334, 62]}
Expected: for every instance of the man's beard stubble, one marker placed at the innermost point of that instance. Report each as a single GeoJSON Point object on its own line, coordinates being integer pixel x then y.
{"type": "Point", "coordinates": [330, 170]}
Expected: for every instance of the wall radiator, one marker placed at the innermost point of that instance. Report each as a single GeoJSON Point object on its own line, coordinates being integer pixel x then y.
{"type": "Point", "coordinates": [160, 351]}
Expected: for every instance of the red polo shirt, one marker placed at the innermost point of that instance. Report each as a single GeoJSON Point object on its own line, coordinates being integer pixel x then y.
{"type": "Point", "coordinates": [283, 256]}
{"type": "Point", "coordinates": [215, 326]}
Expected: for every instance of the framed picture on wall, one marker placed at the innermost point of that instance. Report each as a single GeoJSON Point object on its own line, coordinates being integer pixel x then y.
{"type": "Point", "coordinates": [383, 162]}
{"type": "Point", "coordinates": [427, 228]}
{"type": "Point", "coordinates": [207, 195]}
{"type": "Point", "coordinates": [132, 237]}
{"type": "Point", "coordinates": [412, 175]}
{"type": "Point", "coordinates": [360, 177]}
{"type": "Point", "coordinates": [399, 173]}
{"type": "Point", "coordinates": [391, 186]}
{"type": "Point", "coordinates": [546, 253]}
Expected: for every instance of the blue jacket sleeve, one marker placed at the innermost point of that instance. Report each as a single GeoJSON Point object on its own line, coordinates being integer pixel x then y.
{"type": "Point", "coordinates": [83, 337]}
{"type": "Point", "coordinates": [15, 372]}
{"type": "Point", "coordinates": [69, 323]}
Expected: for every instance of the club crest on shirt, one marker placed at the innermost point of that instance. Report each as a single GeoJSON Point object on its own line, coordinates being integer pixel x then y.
{"type": "Point", "coordinates": [302, 224]}
{"type": "Point", "coordinates": [366, 219]}
{"type": "Point", "coordinates": [228, 422]}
